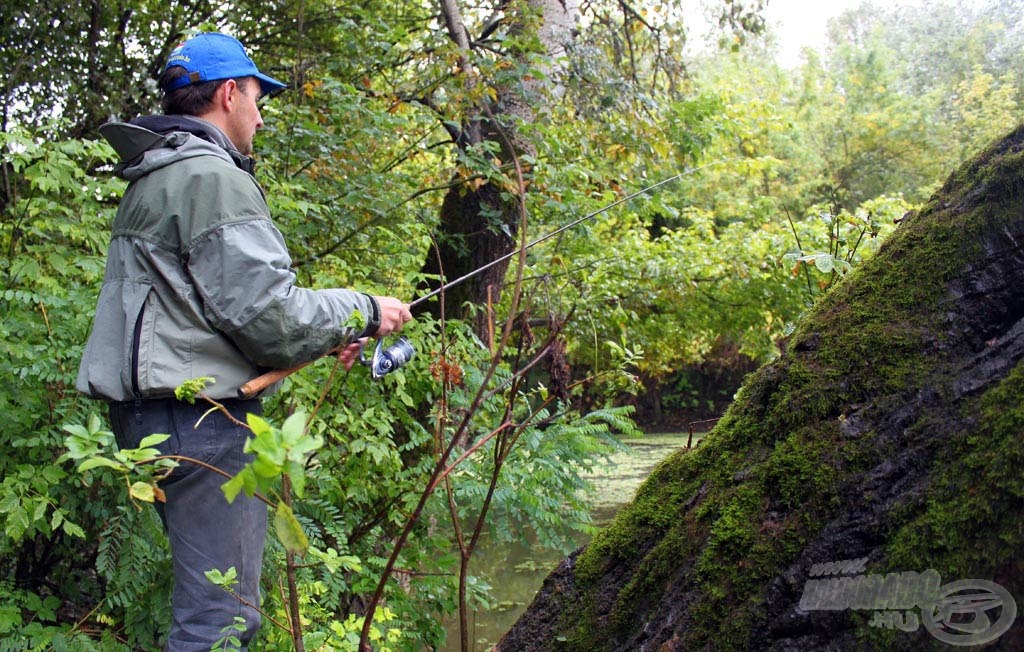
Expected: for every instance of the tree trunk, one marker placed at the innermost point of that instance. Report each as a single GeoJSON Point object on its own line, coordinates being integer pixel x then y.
{"type": "Point", "coordinates": [466, 242]}
{"type": "Point", "coordinates": [477, 225]}
{"type": "Point", "coordinates": [884, 444]}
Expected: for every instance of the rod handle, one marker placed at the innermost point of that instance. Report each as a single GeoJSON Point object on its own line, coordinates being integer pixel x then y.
{"type": "Point", "coordinates": [260, 383]}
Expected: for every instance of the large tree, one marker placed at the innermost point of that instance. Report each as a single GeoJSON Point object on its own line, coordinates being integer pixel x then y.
{"type": "Point", "coordinates": [482, 212]}
{"type": "Point", "coordinates": [515, 62]}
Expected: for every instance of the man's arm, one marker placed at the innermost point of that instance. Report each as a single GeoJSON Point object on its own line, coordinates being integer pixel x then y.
{"type": "Point", "coordinates": [242, 272]}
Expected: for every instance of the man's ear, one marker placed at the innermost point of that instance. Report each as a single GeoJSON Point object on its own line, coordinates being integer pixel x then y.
{"type": "Point", "coordinates": [225, 98]}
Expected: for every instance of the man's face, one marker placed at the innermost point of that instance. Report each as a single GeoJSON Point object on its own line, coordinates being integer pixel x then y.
{"type": "Point", "coordinates": [245, 119]}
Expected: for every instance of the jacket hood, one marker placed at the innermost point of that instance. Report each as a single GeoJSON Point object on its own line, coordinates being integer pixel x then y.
{"type": "Point", "coordinates": [151, 142]}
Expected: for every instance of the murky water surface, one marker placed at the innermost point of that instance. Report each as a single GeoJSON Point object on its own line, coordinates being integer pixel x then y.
{"type": "Point", "coordinates": [516, 571]}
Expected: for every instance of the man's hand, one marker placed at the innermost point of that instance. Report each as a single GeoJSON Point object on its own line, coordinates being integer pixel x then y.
{"type": "Point", "coordinates": [350, 353]}
{"type": "Point", "coordinates": [393, 315]}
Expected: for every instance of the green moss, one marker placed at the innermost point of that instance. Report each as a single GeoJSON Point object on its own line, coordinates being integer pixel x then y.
{"type": "Point", "coordinates": [731, 534]}
{"type": "Point", "coordinates": [977, 489]}
{"type": "Point", "coordinates": [804, 468]}
{"type": "Point", "coordinates": [651, 514]}
{"type": "Point", "coordinates": [968, 525]}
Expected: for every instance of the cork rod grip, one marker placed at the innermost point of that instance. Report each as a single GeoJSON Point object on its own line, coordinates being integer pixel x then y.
{"type": "Point", "coordinates": [260, 383]}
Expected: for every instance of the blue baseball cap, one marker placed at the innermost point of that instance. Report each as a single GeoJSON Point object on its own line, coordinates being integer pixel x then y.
{"type": "Point", "coordinates": [212, 56]}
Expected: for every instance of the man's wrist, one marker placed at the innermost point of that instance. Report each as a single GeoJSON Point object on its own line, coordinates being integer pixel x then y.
{"type": "Point", "coordinates": [373, 320]}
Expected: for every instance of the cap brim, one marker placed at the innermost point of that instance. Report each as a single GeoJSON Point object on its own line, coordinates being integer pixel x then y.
{"type": "Point", "coordinates": [269, 85]}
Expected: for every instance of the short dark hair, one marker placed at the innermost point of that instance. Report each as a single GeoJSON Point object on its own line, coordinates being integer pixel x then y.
{"type": "Point", "coordinates": [193, 99]}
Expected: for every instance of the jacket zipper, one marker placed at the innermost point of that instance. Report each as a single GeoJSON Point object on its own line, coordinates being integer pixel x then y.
{"type": "Point", "coordinates": [136, 345]}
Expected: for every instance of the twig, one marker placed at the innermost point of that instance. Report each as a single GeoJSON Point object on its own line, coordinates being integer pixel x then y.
{"type": "Point", "coordinates": [364, 638]}
{"type": "Point", "coordinates": [293, 588]}
{"type": "Point", "coordinates": [208, 467]}
{"type": "Point", "coordinates": [329, 382]}
{"type": "Point", "coordinates": [222, 409]}
{"type": "Point", "coordinates": [263, 613]}
{"type": "Point", "coordinates": [807, 274]}
{"type": "Point", "coordinates": [472, 449]}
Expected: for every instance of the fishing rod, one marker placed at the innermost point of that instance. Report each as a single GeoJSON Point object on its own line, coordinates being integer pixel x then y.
{"type": "Point", "coordinates": [384, 361]}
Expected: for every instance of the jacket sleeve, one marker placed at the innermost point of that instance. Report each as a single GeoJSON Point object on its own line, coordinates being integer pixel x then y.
{"type": "Point", "coordinates": [242, 272]}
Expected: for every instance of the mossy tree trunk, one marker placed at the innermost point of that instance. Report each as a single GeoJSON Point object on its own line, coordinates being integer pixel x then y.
{"type": "Point", "coordinates": [890, 433]}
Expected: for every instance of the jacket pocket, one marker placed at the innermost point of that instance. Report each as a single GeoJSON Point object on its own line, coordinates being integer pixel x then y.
{"type": "Point", "coordinates": [135, 298]}
{"type": "Point", "coordinates": [109, 360]}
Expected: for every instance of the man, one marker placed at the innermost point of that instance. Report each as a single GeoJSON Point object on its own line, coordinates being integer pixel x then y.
{"type": "Point", "coordinates": [198, 284]}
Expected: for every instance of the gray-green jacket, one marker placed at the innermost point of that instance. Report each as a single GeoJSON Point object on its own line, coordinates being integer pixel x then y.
{"type": "Point", "coordinates": [198, 279]}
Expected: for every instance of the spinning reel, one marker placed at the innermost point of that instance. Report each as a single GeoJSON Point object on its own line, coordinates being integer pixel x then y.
{"type": "Point", "coordinates": [386, 360]}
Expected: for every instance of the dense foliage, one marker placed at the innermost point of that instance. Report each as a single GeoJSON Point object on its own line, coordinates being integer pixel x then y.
{"type": "Point", "coordinates": [790, 176]}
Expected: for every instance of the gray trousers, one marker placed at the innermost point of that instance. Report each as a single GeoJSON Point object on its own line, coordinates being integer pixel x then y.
{"type": "Point", "coordinates": [205, 532]}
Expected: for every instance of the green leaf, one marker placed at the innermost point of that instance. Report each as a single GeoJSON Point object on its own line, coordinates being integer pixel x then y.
{"type": "Point", "coordinates": [268, 447]}
{"type": "Point", "coordinates": [355, 321]}
{"type": "Point", "coordinates": [824, 263]}
{"type": "Point", "coordinates": [257, 424]}
{"type": "Point", "coordinates": [53, 474]}
{"type": "Point", "coordinates": [153, 440]}
{"type": "Point", "coordinates": [293, 429]}
{"type": "Point", "coordinates": [73, 529]}
{"type": "Point", "coordinates": [191, 388]}
{"type": "Point", "coordinates": [243, 480]}
{"type": "Point", "coordinates": [9, 503]}
{"type": "Point", "coordinates": [95, 462]}
{"type": "Point", "coordinates": [77, 430]}
{"type": "Point", "coordinates": [224, 580]}
{"type": "Point", "coordinates": [143, 491]}
{"type": "Point", "coordinates": [304, 447]}
{"type": "Point", "coordinates": [266, 468]}
{"type": "Point", "coordinates": [297, 475]}
{"type": "Point", "coordinates": [288, 530]}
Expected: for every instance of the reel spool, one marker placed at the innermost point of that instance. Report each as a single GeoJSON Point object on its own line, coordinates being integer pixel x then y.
{"type": "Point", "coordinates": [384, 361]}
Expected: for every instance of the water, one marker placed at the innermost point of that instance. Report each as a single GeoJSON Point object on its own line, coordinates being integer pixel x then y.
{"type": "Point", "coordinates": [516, 571]}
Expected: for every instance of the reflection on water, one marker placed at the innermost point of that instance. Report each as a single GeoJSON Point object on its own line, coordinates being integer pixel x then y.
{"type": "Point", "coordinates": [516, 571]}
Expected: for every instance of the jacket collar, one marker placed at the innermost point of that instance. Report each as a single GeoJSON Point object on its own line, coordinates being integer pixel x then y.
{"type": "Point", "coordinates": [133, 139]}
{"type": "Point", "coordinates": [163, 124]}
